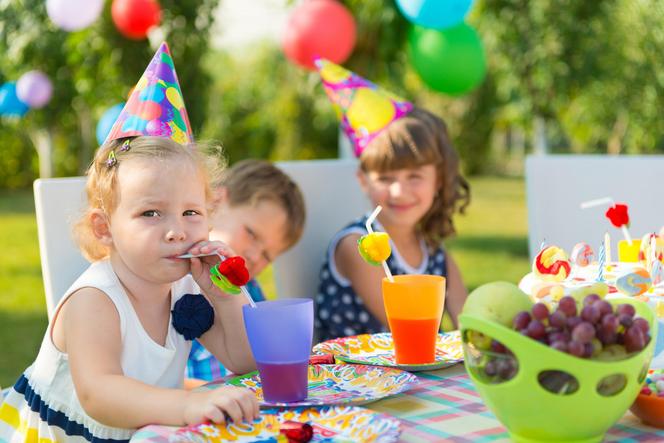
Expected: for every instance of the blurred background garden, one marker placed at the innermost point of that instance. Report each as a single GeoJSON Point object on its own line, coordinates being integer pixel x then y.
{"type": "Point", "coordinates": [517, 77]}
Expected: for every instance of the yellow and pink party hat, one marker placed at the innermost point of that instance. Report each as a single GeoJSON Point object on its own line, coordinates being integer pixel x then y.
{"type": "Point", "coordinates": [155, 106]}
{"type": "Point", "coordinates": [363, 108]}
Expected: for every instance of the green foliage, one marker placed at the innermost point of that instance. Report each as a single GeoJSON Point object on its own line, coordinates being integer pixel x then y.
{"type": "Point", "coordinates": [91, 70]}
{"type": "Point", "coordinates": [591, 70]}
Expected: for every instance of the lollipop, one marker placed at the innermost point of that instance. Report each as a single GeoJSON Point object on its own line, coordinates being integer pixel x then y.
{"type": "Point", "coordinates": [651, 250]}
{"type": "Point", "coordinates": [374, 247]}
{"type": "Point", "coordinates": [582, 254]}
{"type": "Point", "coordinates": [634, 283]}
{"type": "Point", "coordinates": [551, 264]}
{"type": "Point", "coordinates": [657, 273]}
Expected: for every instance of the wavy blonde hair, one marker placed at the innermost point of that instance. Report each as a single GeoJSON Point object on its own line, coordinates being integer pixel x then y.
{"type": "Point", "coordinates": [421, 138]}
{"type": "Point", "coordinates": [101, 186]}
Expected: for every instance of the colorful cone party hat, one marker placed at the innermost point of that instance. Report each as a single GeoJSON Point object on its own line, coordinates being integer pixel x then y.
{"type": "Point", "coordinates": [155, 106]}
{"type": "Point", "coordinates": [363, 108]}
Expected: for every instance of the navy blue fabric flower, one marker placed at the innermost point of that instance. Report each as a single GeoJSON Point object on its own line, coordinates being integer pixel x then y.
{"type": "Point", "coordinates": [193, 315]}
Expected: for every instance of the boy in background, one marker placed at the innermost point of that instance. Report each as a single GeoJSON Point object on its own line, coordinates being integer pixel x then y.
{"type": "Point", "coordinates": [259, 212]}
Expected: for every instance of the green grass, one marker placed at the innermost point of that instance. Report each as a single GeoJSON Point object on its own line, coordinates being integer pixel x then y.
{"type": "Point", "coordinates": [491, 245]}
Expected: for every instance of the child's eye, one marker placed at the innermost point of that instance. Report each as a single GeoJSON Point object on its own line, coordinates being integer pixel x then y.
{"type": "Point", "coordinates": [191, 212]}
{"type": "Point", "coordinates": [384, 179]}
{"type": "Point", "coordinates": [251, 233]}
{"type": "Point", "coordinates": [150, 213]}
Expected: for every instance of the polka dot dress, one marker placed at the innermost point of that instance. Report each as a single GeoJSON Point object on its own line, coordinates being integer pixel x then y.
{"type": "Point", "coordinates": [340, 311]}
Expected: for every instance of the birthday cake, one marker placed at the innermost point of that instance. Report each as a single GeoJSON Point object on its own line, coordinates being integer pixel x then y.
{"type": "Point", "coordinates": [555, 275]}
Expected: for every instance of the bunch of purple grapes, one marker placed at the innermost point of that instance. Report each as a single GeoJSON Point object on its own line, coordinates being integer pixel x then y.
{"type": "Point", "coordinates": [586, 331]}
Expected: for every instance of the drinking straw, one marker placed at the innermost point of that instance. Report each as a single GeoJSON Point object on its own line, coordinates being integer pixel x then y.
{"type": "Point", "coordinates": [370, 220]}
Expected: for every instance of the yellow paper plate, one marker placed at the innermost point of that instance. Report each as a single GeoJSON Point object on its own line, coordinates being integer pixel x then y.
{"type": "Point", "coordinates": [378, 350]}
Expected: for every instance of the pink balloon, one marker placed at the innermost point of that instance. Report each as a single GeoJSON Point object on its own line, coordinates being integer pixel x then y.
{"type": "Point", "coordinates": [34, 89]}
{"type": "Point", "coordinates": [72, 15]}
{"type": "Point", "coordinates": [319, 28]}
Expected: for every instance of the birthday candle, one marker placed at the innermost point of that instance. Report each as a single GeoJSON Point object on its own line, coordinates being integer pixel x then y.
{"type": "Point", "coordinates": [600, 267]}
{"type": "Point", "coordinates": [607, 247]}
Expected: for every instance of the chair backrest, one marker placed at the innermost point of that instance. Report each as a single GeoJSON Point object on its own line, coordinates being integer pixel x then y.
{"type": "Point", "coordinates": [556, 185]}
{"type": "Point", "coordinates": [333, 198]}
{"type": "Point", "coordinates": [58, 203]}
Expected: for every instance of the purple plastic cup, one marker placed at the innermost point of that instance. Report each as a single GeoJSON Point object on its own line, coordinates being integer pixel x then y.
{"type": "Point", "coordinates": [280, 334]}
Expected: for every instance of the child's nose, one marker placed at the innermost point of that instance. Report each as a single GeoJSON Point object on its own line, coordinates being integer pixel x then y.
{"type": "Point", "coordinates": [396, 189]}
{"type": "Point", "coordinates": [175, 234]}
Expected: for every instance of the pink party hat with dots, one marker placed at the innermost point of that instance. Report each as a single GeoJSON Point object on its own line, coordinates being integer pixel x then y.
{"type": "Point", "coordinates": [155, 106]}
{"type": "Point", "coordinates": [363, 108]}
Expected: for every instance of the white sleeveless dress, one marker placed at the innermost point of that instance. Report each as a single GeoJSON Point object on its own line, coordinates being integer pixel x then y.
{"type": "Point", "coordinates": [43, 406]}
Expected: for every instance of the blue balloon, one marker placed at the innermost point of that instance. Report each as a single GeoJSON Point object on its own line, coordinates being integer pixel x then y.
{"type": "Point", "coordinates": [10, 105]}
{"type": "Point", "coordinates": [106, 122]}
{"type": "Point", "coordinates": [436, 14]}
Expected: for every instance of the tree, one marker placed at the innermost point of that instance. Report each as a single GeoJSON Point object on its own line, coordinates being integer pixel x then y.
{"type": "Point", "coordinates": [93, 69]}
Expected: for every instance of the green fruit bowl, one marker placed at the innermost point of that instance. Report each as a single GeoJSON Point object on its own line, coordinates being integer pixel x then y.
{"type": "Point", "coordinates": [543, 395]}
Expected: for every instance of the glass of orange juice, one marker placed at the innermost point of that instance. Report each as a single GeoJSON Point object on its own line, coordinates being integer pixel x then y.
{"type": "Point", "coordinates": [414, 307]}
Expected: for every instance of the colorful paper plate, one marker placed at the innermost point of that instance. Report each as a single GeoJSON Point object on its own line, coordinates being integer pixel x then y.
{"type": "Point", "coordinates": [337, 384]}
{"type": "Point", "coordinates": [378, 350]}
{"type": "Point", "coordinates": [330, 424]}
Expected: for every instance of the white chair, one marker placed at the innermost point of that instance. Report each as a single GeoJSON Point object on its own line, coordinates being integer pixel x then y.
{"type": "Point", "coordinates": [557, 184]}
{"type": "Point", "coordinates": [332, 197]}
{"type": "Point", "coordinates": [58, 204]}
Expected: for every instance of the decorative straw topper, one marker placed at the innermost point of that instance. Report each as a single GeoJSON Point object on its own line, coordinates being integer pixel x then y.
{"type": "Point", "coordinates": [230, 275]}
{"type": "Point", "coordinates": [374, 247]}
{"type": "Point", "coordinates": [155, 106]}
{"type": "Point", "coordinates": [617, 214]}
{"type": "Point", "coordinates": [363, 108]}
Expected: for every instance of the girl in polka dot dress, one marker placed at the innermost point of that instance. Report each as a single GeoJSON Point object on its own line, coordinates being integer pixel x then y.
{"type": "Point", "coordinates": [411, 170]}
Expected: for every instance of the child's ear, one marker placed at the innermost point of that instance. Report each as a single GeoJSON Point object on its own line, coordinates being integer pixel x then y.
{"type": "Point", "coordinates": [101, 227]}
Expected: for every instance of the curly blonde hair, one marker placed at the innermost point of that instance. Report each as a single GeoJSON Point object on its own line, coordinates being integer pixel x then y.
{"type": "Point", "coordinates": [101, 185]}
{"type": "Point", "coordinates": [421, 138]}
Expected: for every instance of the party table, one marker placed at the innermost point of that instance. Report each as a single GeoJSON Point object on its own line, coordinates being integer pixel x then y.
{"type": "Point", "coordinates": [445, 407]}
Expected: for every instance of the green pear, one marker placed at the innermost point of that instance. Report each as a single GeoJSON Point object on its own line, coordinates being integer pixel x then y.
{"type": "Point", "coordinates": [498, 302]}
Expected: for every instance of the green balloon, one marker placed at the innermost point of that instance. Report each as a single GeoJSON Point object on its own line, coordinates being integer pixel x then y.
{"type": "Point", "coordinates": [449, 60]}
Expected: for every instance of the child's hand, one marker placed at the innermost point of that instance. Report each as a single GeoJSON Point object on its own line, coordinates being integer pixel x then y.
{"type": "Point", "coordinates": [238, 404]}
{"type": "Point", "coordinates": [200, 267]}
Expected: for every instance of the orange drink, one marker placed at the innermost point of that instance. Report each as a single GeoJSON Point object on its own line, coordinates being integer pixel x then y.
{"type": "Point", "coordinates": [627, 252]}
{"type": "Point", "coordinates": [414, 307]}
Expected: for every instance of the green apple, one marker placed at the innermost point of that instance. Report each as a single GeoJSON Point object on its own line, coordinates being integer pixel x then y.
{"type": "Point", "coordinates": [498, 302]}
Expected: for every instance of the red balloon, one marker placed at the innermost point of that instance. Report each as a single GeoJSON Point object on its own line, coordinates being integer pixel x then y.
{"type": "Point", "coordinates": [134, 18]}
{"type": "Point", "coordinates": [319, 28]}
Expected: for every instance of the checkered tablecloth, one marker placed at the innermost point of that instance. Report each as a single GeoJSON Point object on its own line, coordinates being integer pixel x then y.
{"type": "Point", "coordinates": [445, 407]}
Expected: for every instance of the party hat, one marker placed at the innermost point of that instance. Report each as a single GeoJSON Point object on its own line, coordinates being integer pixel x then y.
{"type": "Point", "coordinates": [363, 108]}
{"type": "Point", "coordinates": [155, 106]}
